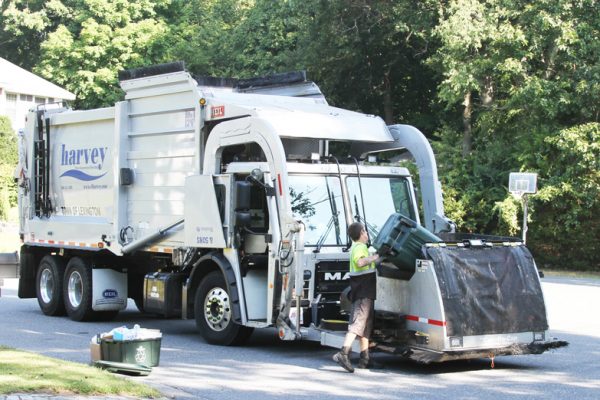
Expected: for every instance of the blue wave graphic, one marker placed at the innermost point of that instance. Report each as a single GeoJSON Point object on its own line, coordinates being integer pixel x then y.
{"type": "Point", "coordinates": [82, 176]}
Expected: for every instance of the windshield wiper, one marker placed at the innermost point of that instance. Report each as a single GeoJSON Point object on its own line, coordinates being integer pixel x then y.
{"type": "Point", "coordinates": [334, 213]}
{"type": "Point", "coordinates": [332, 221]}
{"type": "Point", "coordinates": [348, 241]}
{"type": "Point", "coordinates": [358, 218]}
{"type": "Point", "coordinates": [362, 199]}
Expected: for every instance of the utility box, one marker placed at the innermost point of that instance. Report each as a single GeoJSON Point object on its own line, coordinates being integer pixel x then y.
{"type": "Point", "coordinates": [138, 351]}
{"type": "Point", "coordinates": [400, 241]}
{"type": "Point", "coordinates": [162, 293]}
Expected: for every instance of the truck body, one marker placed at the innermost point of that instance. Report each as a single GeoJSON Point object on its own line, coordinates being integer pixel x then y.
{"type": "Point", "coordinates": [220, 202]}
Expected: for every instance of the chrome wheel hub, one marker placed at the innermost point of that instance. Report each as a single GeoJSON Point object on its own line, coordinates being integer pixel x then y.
{"type": "Point", "coordinates": [217, 310]}
{"type": "Point", "coordinates": [46, 286]}
{"type": "Point", "coordinates": [75, 289]}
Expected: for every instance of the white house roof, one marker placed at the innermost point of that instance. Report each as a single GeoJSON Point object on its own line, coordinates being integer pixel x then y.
{"type": "Point", "coordinates": [17, 80]}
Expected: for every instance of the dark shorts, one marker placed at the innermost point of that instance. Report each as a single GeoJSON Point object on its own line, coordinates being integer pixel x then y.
{"type": "Point", "coordinates": [361, 317]}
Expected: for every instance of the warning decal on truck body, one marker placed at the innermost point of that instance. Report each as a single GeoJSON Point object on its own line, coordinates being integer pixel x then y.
{"type": "Point", "coordinates": [217, 111]}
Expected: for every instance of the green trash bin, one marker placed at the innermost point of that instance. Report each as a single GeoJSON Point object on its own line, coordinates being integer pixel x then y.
{"type": "Point", "coordinates": [138, 351]}
{"type": "Point", "coordinates": [400, 241]}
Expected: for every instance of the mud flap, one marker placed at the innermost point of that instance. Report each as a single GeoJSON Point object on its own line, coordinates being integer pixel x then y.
{"type": "Point", "coordinates": [28, 264]}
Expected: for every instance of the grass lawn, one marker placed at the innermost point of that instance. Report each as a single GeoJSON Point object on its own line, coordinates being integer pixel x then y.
{"type": "Point", "coordinates": [25, 372]}
{"type": "Point", "coordinates": [571, 274]}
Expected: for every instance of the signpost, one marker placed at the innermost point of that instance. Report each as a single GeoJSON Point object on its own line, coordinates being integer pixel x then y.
{"type": "Point", "coordinates": [520, 184]}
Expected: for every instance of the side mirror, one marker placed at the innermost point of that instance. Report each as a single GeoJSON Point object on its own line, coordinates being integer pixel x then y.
{"type": "Point", "coordinates": [256, 178]}
{"type": "Point", "coordinates": [257, 175]}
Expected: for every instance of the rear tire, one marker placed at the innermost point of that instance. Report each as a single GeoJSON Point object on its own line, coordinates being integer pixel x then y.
{"type": "Point", "coordinates": [214, 314]}
{"type": "Point", "coordinates": [49, 285]}
{"type": "Point", "coordinates": [77, 290]}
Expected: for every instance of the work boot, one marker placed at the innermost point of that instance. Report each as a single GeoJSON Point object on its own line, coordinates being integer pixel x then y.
{"type": "Point", "coordinates": [366, 362]}
{"type": "Point", "coordinates": [363, 363]}
{"type": "Point", "coordinates": [342, 358]}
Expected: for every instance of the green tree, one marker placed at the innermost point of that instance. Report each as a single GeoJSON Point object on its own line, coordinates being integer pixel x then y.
{"type": "Point", "coordinates": [266, 40]}
{"type": "Point", "coordinates": [516, 76]}
{"type": "Point", "coordinates": [237, 38]}
{"type": "Point", "coordinates": [84, 43]}
{"type": "Point", "coordinates": [8, 162]}
{"type": "Point", "coordinates": [200, 32]}
{"type": "Point", "coordinates": [502, 85]}
{"type": "Point", "coordinates": [568, 204]}
{"type": "Point", "coordinates": [369, 56]}
{"type": "Point", "coordinates": [24, 25]}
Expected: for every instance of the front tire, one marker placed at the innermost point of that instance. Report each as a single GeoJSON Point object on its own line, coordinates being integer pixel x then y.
{"type": "Point", "coordinates": [77, 290]}
{"type": "Point", "coordinates": [213, 313]}
{"type": "Point", "coordinates": [49, 285]}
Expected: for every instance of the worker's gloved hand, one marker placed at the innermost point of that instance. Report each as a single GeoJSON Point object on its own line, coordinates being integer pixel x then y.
{"type": "Point", "coordinates": [372, 251]}
{"type": "Point", "coordinates": [383, 251]}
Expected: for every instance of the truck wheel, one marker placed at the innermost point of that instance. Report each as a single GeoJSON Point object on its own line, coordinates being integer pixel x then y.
{"type": "Point", "coordinates": [49, 282]}
{"type": "Point", "coordinates": [77, 289]}
{"type": "Point", "coordinates": [213, 312]}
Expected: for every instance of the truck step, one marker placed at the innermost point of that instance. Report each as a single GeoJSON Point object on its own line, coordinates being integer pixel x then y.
{"type": "Point", "coordinates": [333, 325]}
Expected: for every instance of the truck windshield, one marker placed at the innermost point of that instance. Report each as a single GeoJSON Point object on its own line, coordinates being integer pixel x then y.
{"type": "Point", "coordinates": [317, 200]}
{"type": "Point", "coordinates": [383, 196]}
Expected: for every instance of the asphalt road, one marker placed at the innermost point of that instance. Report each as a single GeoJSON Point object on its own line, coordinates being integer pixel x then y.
{"type": "Point", "coordinates": [267, 368]}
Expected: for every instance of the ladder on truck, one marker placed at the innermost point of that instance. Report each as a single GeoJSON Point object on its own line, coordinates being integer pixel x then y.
{"type": "Point", "coordinates": [41, 172]}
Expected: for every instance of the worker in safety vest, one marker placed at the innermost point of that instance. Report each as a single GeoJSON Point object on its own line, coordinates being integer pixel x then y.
{"type": "Point", "coordinates": [363, 286]}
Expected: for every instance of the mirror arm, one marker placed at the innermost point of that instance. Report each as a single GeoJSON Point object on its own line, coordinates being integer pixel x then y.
{"type": "Point", "coordinates": [269, 190]}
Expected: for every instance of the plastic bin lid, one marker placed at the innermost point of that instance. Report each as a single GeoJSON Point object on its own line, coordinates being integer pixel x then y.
{"type": "Point", "coordinates": [123, 368]}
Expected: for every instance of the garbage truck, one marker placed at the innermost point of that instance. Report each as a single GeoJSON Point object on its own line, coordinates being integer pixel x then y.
{"type": "Point", "coordinates": [227, 201]}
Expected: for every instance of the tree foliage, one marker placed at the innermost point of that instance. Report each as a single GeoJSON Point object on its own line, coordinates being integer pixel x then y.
{"type": "Point", "coordinates": [568, 203]}
{"type": "Point", "coordinates": [8, 162]}
{"type": "Point", "coordinates": [368, 56]}
{"type": "Point", "coordinates": [499, 85]}
{"type": "Point", "coordinates": [522, 74]}
{"type": "Point", "coordinates": [84, 43]}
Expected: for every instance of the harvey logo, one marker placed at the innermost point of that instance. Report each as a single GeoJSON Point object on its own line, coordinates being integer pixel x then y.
{"type": "Point", "coordinates": [83, 158]}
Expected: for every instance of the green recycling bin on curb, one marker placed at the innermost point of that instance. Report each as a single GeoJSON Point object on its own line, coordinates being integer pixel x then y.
{"type": "Point", "coordinates": [400, 241]}
{"type": "Point", "coordinates": [137, 351]}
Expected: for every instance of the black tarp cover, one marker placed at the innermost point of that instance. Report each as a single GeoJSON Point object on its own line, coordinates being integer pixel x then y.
{"type": "Point", "coordinates": [489, 290]}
